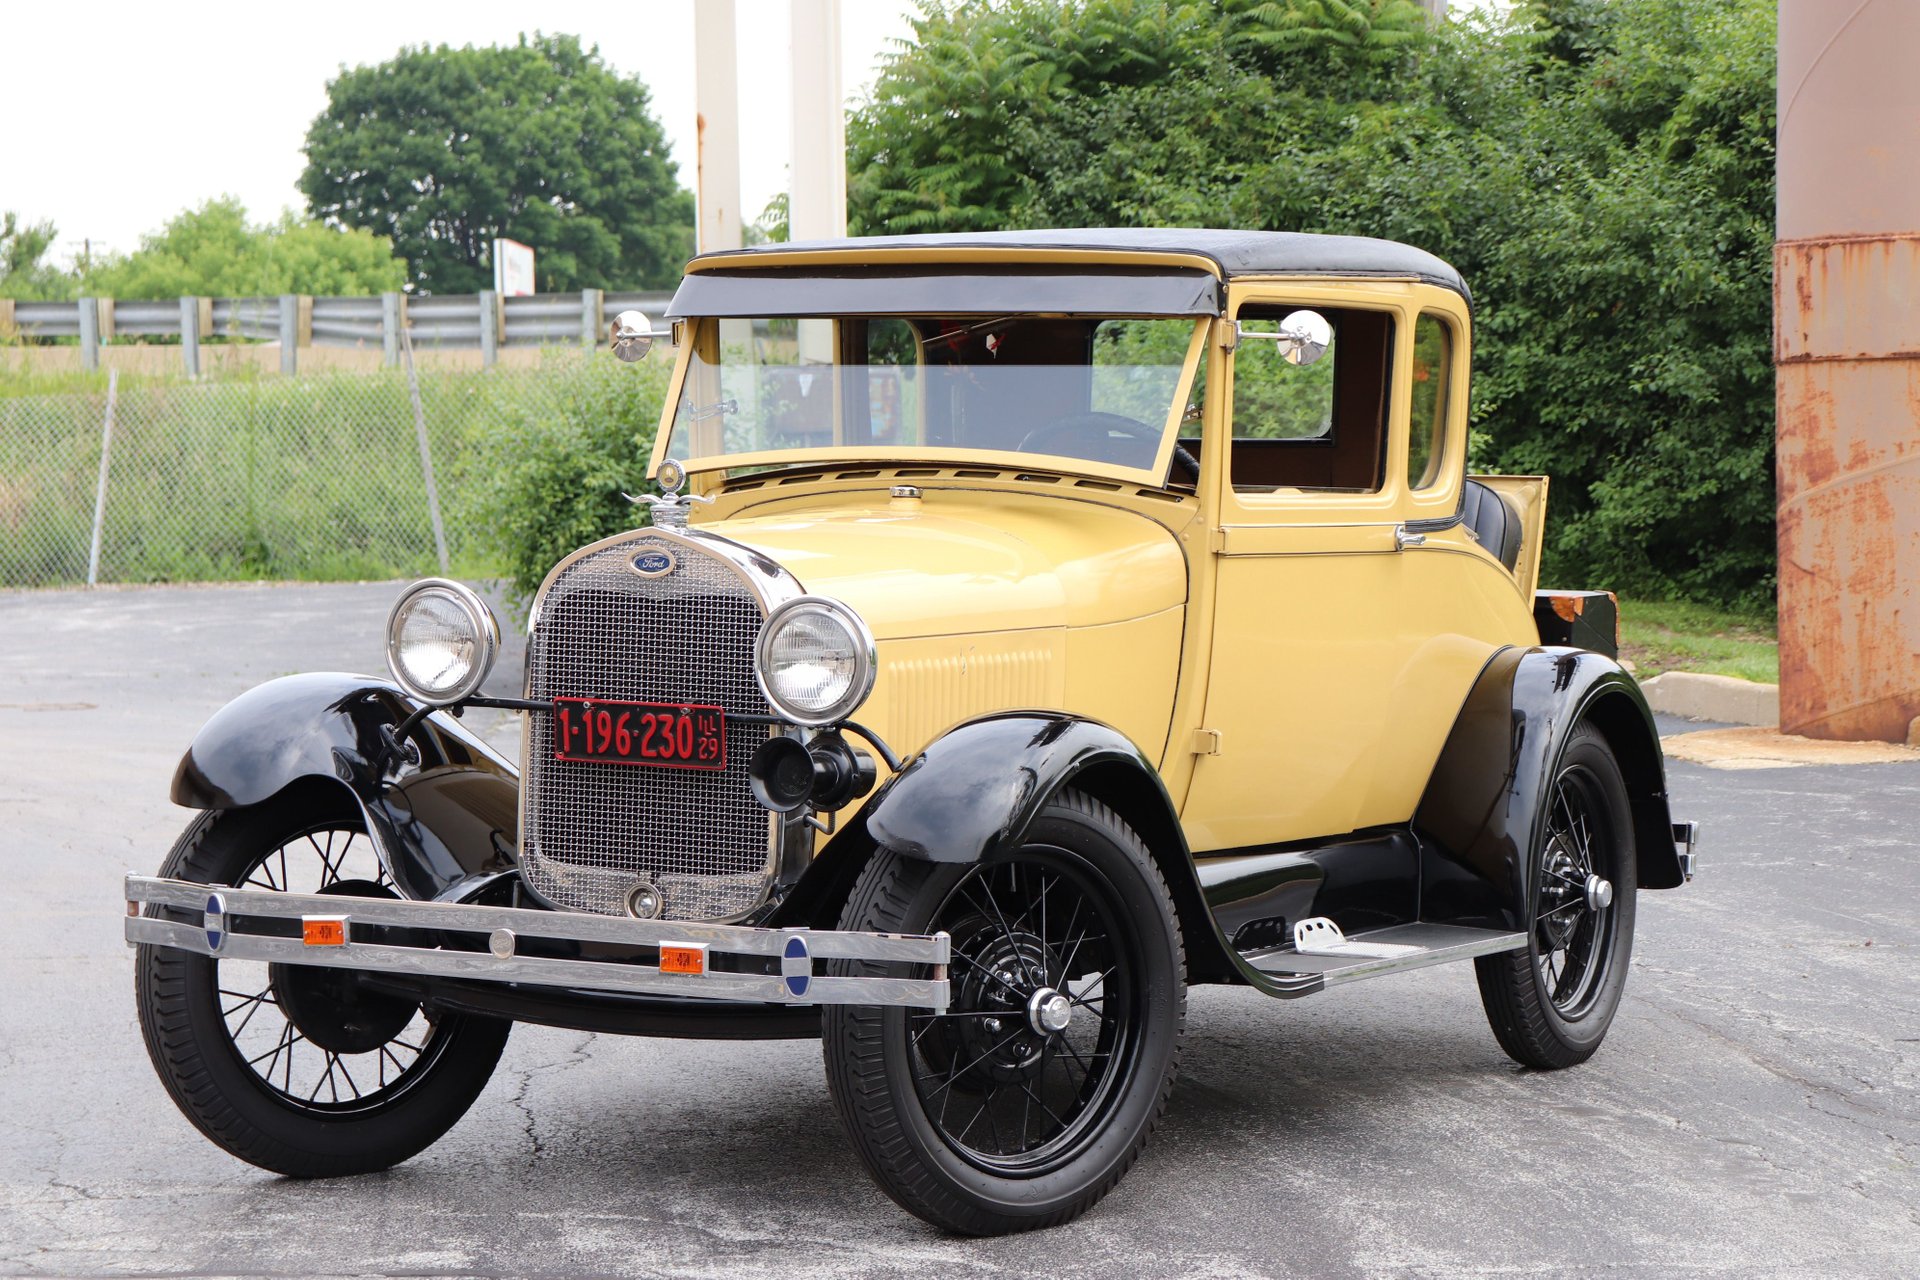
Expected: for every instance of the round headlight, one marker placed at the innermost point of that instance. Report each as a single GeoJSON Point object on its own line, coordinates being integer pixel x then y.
{"type": "Point", "coordinates": [815, 661]}
{"type": "Point", "coordinates": [441, 641]}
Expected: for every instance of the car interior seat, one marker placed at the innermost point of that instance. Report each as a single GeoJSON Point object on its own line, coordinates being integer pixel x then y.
{"type": "Point", "coordinates": [1491, 520]}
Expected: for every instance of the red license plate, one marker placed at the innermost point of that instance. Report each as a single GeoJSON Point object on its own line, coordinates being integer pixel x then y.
{"type": "Point", "coordinates": [665, 735]}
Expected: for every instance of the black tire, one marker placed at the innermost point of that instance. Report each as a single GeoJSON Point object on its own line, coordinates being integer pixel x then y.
{"type": "Point", "coordinates": [901, 1079]}
{"type": "Point", "coordinates": [195, 1037]}
{"type": "Point", "coordinates": [1550, 1005]}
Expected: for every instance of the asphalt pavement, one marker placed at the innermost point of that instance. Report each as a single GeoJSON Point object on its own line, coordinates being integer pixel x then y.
{"type": "Point", "coordinates": [1754, 1112]}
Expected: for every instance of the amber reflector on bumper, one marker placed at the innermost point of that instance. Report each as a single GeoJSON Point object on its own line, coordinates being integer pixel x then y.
{"type": "Point", "coordinates": [323, 931]}
{"type": "Point", "coordinates": [683, 958]}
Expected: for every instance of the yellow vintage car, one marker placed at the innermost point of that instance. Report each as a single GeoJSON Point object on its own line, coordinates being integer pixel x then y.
{"type": "Point", "coordinates": [1029, 625]}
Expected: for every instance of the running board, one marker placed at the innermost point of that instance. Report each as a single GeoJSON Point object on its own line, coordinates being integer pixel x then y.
{"type": "Point", "coordinates": [1375, 953]}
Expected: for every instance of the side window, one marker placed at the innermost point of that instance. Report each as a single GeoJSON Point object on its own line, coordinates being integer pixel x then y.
{"type": "Point", "coordinates": [1274, 400]}
{"type": "Point", "coordinates": [1432, 366]}
{"type": "Point", "coordinates": [1318, 426]}
{"type": "Point", "coordinates": [893, 382]}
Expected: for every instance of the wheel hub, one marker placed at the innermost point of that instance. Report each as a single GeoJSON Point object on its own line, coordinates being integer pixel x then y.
{"type": "Point", "coordinates": [333, 1008]}
{"type": "Point", "coordinates": [1599, 893]}
{"type": "Point", "coordinates": [1006, 982]}
{"type": "Point", "coordinates": [1049, 1012]}
{"type": "Point", "coordinates": [1559, 896]}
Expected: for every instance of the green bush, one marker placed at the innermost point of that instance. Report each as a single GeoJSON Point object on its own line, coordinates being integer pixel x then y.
{"type": "Point", "coordinates": [556, 470]}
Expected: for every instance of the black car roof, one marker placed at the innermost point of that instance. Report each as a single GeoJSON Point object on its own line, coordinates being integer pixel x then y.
{"type": "Point", "coordinates": [1235, 253]}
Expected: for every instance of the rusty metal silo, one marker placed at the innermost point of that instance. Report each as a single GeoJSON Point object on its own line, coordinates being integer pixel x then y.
{"type": "Point", "coordinates": [1847, 363]}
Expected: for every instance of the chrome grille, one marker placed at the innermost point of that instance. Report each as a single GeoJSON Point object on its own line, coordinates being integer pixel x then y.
{"type": "Point", "coordinates": [592, 832]}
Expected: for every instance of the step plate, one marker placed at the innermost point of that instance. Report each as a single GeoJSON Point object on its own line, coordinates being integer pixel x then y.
{"type": "Point", "coordinates": [1434, 943]}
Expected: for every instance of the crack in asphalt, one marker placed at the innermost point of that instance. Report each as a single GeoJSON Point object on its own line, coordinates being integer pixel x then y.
{"type": "Point", "coordinates": [1811, 1090]}
{"type": "Point", "coordinates": [577, 1054]}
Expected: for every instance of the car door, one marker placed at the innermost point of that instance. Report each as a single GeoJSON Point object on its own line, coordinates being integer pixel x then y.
{"type": "Point", "coordinates": [1351, 612]}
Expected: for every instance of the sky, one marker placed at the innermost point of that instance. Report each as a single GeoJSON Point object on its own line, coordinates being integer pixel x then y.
{"type": "Point", "coordinates": [146, 109]}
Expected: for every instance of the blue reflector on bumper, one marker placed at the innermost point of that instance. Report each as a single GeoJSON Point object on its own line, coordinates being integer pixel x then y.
{"type": "Point", "coordinates": [796, 966]}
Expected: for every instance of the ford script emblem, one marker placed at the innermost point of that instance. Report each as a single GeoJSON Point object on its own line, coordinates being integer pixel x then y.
{"type": "Point", "coordinates": [654, 564]}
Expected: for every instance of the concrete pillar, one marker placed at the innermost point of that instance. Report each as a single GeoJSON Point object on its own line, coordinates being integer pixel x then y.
{"type": "Point", "coordinates": [817, 208]}
{"type": "Point", "coordinates": [716, 94]}
{"type": "Point", "coordinates": [1847, 369]}
{"type": "Point", "coordinates": [817, 193]}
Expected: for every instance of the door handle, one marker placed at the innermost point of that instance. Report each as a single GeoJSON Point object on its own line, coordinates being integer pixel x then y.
{"type": "Point", "coordinates": [1404, 538]}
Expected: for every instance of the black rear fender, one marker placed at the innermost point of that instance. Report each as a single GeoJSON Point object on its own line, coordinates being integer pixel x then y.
{"type": "Point", "coordinates": [1484, 805]}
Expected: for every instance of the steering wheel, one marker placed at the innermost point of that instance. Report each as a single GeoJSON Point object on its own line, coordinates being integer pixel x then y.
{"type": "Point", "coordinates": [1094, 433]}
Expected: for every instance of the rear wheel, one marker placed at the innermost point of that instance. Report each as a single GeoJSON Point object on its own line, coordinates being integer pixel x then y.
{"type": "Point", "coordinates": [1034, 1093]}
{"type": "Point", "coordinates": [1550, 1005]}
{"type": "Point", "coordinates": [297, 1069]}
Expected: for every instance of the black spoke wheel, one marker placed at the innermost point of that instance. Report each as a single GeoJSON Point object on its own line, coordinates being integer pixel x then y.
{"type": "Point", "coordinates": [1551, 1005]}
{"type": "Point", "coordinates": [1029, 1098]}
{"type": "Point", "coordinates": [305, 1071]}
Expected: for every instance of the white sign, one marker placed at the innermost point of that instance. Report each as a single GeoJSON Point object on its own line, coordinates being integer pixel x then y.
{"type": "Point", "coordinates": [512, 268]}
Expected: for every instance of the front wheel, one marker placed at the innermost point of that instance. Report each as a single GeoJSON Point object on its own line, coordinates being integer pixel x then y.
{"type": "Point", "coordinates": [1031, 1096]}
{"type": "Point", "coordinates": [1550, 1005]}
{"type": "Point", "coordinates": [302, 1070]}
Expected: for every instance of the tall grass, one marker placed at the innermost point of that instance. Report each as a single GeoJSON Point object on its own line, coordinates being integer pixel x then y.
{"type": "Point", "coordinates": [316, 477]}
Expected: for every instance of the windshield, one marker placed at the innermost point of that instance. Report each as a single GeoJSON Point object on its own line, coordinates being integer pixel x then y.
{"type": "Point", "coordinates": [1097, 394]}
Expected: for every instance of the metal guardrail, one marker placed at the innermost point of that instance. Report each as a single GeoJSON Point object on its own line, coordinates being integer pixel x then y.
{"type": "Point", "coordinates": [483, 321]}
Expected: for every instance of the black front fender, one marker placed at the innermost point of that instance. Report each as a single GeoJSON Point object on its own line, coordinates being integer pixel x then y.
{"type": "Point", "coordinates": [979, 787]}
{"type": "Point", "coordinates": [444, 822]}
{"type": "Point", "coordinates": [1484, 806]}
{"type": "Point", "coordinates": [977, 790]}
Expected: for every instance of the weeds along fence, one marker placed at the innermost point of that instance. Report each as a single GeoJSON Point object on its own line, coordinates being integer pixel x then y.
{"type": "Point", "coordinates": [318, 476]}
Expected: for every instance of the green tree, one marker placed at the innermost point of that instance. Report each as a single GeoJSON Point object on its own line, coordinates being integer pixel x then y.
{"type": "Point", "coordinates": [213, 251]}
{"type": "Point", "coordinates": [1600, 170]}
{"type": "Point", "coordinates": [1312, 37]}
{"type": "Point", "coordinates": [445, 149]}
{"type": "Point", "coordinates": [25, 274]}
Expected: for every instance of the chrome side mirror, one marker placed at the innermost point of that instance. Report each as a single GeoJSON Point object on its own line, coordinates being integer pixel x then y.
{"type": "Point", "coordinates": [1305, 337]}
{"type": "Point", "coordinates": [1302, 338]}
{"type": "Point", "coordinates": [632, 336]}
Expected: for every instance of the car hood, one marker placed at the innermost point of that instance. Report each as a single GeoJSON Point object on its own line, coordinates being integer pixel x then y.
{"type": "Point", "coordinates": [952, 563]}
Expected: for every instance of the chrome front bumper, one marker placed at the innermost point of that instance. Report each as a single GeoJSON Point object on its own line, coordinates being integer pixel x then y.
{"type": "Point", "coordinates": [327, 925]}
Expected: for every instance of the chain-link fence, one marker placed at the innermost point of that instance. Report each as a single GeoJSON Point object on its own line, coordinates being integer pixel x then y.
{"type": "Point", "coordinates": [318, 476]}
